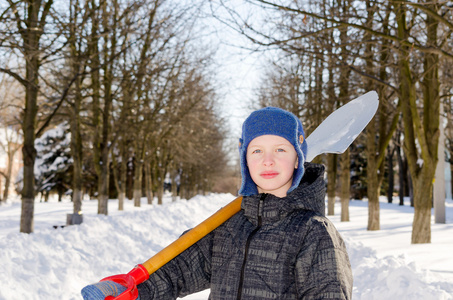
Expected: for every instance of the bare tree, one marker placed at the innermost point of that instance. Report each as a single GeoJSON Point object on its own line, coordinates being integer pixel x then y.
{"type": "Point", "coordinates": [25, 27]}
{"type": "Point", "coordinates": [380, 130]}
{"type": "Point", "coordinates": [78, 64]}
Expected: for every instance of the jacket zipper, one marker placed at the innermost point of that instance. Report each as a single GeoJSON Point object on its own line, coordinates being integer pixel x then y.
{"type": "Point", "coordinates": [247, 245]}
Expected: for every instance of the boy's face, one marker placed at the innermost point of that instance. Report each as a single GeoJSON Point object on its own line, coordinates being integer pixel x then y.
{"type": "Point", "coordinates": [271, 161]}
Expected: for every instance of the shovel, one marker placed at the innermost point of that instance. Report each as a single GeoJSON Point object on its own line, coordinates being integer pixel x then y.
{"type": "Point", "coordinates": [334, 135]}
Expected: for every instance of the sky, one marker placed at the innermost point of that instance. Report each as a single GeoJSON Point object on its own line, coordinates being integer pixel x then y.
{"type": "Point", "coordinates": [237, 68]}
{"type": "Point", "coordinates": [57, 263]}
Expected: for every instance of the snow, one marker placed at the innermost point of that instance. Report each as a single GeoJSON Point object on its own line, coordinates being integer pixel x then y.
{"type": "Point", "coordinates": [58, 263]}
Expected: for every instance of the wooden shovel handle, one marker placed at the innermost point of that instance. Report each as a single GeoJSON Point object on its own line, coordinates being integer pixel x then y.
{"type": "Point", "coordinates": [192, 236]}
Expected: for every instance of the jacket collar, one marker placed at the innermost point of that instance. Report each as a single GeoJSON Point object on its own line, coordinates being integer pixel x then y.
{"type": "Point", "coordinates": [309, 195]}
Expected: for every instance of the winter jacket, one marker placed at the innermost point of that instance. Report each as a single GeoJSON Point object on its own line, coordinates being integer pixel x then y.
{"type": "Point", "coordinates": [274, 248]}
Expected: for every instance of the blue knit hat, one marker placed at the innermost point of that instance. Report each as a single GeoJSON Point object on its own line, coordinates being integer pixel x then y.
{"type": "Point", "coordinates": [273, 121]}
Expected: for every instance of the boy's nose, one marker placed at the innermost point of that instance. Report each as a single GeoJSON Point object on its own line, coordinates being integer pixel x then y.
{"type": "Point", "coordinates": [268, 160]}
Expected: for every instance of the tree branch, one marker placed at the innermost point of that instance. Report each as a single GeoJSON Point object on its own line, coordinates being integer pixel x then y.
{"type": "Point", "coordinates": [14, 75]}
{"type": "Point", "coordinates": [60, 102]}
{"type": "Point", "coordinates": [417, 46]}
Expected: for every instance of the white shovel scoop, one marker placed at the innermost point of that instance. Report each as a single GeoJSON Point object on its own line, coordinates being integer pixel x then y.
{"type": "Point", "coordinates": [337, 132]}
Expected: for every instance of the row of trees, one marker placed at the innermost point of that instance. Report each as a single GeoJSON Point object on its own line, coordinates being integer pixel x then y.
{"type": "Point", "coordinates": [327, 52]}
{"type": "Point", "coordinates": [128, 81]}
{"type": "Point", "coordinates": [135, 90]}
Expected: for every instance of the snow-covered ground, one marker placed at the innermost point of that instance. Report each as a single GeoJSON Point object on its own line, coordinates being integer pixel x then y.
{"type": "Point", "coordinates": [58, 263]}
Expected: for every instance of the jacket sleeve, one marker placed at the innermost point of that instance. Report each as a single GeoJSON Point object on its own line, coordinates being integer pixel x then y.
{"type": "Point", "coordinates": [188, 273]}
{"type": "Point", "coordinates": [323, 270]}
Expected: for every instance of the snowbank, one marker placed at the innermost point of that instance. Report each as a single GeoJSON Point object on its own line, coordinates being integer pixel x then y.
{"type": "Point", "coordinates": [58, 263]}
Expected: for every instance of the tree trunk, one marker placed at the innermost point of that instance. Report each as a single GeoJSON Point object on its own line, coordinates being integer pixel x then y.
{"type": "Point", "coordinates": [96, 118]}
{"type": "Point", "coordinates": [372, 178]}
{"type": "Point", "coordinates": [421, 226]}
{"type": "Point", "coordinates": [174, 186]}
{"type": "Point", "coordinates": [331, 183]}
{"type": "Point", "coordinates": [410, 188]}
{"type": "Point", "coordinates": [421, 134]}
{"type": "Point", "coordinates": [28, 127]}
{"type": "Point", "coordinates": [423, 187]}
{"type": "Point", "coordinates": [123, 178]}
{"type": "Point", "coordinates": [402, 173]}
{"type": "Point", "coordinates": [343, 96]}
{"type": "Point", "coordinates": [138, 176]}
{"type": "Point", "coordinates": [390, 176]}
{"type": "Point", "coordinates": [121, 197]}
{"type": "Point", "coordinates": [149, 183]}
{"type": "Point", "coordinates": [345, 182]}
{"type": "Point", "coordinates": [103, 188]}
{"type": "Point", "coordinates": [74, 112]}
{"type": "Point", "coordinates": [439, 183]}
{"type": "Point", "coordinates": [160, 192]}
{"type": "Point", "coordinates": [182, 188]}
{"type": "Point", "coordinates": [451, 179]}
{"type": "Point", "coordinates": [102, 141]}
{"type": "Point", "coordinates": [31, 37]}
{"type": "Point", "coordinates": [129, 181]}
{"type": "Point", "coordinates": [119, 174]}
{"type": "Point", "coordinates": [378, 126]}
{"type": "Point", "coordinates": [332, 159]}
{"type": "Point", "coordinates": [76, 152]}
{"type": "Point", "coordinates": [138, 170]}
{"type": "Point", "coordinates": [104, 169]}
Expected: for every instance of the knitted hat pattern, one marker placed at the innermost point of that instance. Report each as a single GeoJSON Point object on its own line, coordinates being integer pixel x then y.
{"type": "Point", "coordinates": [272, 121]}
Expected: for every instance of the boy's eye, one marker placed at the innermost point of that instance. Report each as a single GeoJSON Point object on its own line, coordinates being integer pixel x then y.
{"type": "Point", "coordinates": [280, 150]}
{"type": "Point", "coordinates": [256, 151]}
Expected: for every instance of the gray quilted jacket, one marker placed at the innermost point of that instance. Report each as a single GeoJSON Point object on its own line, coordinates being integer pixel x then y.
{"type": "Point", "coordinates": [274, 248]}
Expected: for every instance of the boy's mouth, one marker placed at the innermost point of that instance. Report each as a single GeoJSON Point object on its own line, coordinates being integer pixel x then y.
{"type": "Point", "coordinates": [269, 174]}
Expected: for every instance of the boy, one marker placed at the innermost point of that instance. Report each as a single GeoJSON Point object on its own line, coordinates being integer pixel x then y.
{"type": "Point", "coordinates": [279, 246]}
